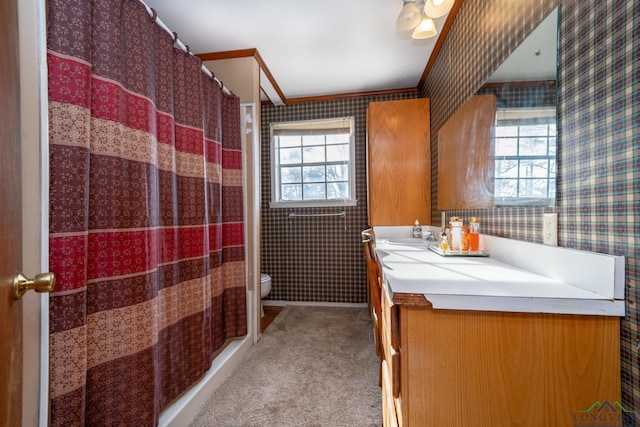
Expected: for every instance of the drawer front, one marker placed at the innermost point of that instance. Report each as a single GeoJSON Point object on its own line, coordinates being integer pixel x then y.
{"type": "Point", "coordinates": [391, 345]}
{"type": "Point", "coordinates": [389, 418]}
{"type": "Point", "coordinates": [390, 322]}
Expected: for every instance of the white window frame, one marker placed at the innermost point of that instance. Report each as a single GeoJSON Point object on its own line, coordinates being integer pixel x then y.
{"type": "Point", "coordinates": [520, 117]}
{"type": "Point", "coordinates": [276, 201]}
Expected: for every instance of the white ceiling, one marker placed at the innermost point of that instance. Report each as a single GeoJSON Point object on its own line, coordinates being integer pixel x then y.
{"type": "Point", "coordinates": [312, 48]}
{"type": "Point", "coordinates": [535, 58]}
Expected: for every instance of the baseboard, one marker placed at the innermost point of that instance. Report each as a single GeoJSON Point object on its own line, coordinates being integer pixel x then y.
{"type": "Point", "coordinates": [181, 411]}
{"type": "Point", "coordinates": [282, 303]}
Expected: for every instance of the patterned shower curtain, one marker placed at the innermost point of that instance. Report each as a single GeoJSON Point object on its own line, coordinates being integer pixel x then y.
{"type": "Point", "coordinates": [146, 215]}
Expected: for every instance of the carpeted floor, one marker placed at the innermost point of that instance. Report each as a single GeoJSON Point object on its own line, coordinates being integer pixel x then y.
{"type": "Point", "coordinates": [313, 366]}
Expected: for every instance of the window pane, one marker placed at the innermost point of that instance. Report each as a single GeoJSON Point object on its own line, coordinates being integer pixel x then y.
{"type": "Point", "coordinates": [533, 188]}
{"type": "Point", "coordinates": [534, 168]}
{"type": "Point", "coordinates": [552, 168]}
{"type": "Point", "coordinates": [289, 141]}
{"type": "Point", "coordinates": [507, 131]}
{"type": "Point", "coordinates": [506, 188]}
{"type": "Point", "coordinates": [552, 188]}
{"type": "Point", "coordinates": [337, 190]}
{"type": "Point", "coordinates": [313, 174]}
{"type": "Point", "coordinates": [506, 147]}
{"type": "Point", "coordinates": [291, 192]}
{"type": "Point", "coordinates": [314, 155]}
{"type": "Point", "coordinates": [552, 146]}
{"type": "Point", "coordinates": [290, 175]}
{"type": "Point", "coordinates": [342, 138]}
{"type": "Point", "coordinates": [337, 173]}
{"type": "Point", "coordinates": [314, 191]}
{"type": "Point", "coordinates": [290, 156]}
{"type": "Point", "coordinates": [506, 168]}
{"type": "Point", "coordinates": [337, 153]}
{"type": "Point", "coordinates": [533, 130]}
{"type": "Point", "coordinates": [313, 140]}
{"type": "Point", "coordinates": [533, 146]}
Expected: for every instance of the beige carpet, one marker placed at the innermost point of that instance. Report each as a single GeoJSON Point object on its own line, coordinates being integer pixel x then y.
{"type": "Point", "coordinates": [313, 366]}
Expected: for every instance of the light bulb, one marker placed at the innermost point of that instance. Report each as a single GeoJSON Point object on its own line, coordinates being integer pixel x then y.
{"type": "Point", "coordinates": [425, 29]}
{"type": "Point", "coordinates": [437, 8]}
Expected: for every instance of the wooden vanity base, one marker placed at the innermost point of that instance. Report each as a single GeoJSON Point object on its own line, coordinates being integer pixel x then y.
{"type": "Point", "coordinates": [480, 368]}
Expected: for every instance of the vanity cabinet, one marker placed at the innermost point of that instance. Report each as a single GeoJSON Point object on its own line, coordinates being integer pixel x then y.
{"type": "Point", "coordinates": [485, 368]}
{"type": "Point", "coordinates": [398, 162]}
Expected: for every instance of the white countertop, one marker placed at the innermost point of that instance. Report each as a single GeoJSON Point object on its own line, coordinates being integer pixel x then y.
{"type": "Point", "coordinates": [482, 283]}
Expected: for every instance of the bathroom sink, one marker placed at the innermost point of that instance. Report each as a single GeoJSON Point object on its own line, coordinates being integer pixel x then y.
{"type": "Point", "coordinates": [407, 241]}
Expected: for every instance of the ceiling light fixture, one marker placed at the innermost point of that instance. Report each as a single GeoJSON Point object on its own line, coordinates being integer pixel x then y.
{"type": "Point", "coordinates": [425, 29]}
{"type": "Point", "coordinates": [409, 16]}
{"type": "Point", "coordinates": [437, 8]}
{"type": "Point", "coordinates": [422, 24]}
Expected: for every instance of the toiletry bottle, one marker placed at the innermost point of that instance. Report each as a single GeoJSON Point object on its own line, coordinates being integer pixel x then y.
{"type": "Point", "coordinates": [474, 234]}
{"type": "Point", "coordinates": [444, 244]}
{"type": "Point", "coordinates": [456, 234]}
{"type": "Point", "coordinates": [466, 239]}
{"type": "Point", "coordinates": [417, 230]}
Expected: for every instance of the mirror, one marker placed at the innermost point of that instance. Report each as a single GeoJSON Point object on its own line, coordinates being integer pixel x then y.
{"type": "Point", "coordinates": [499, 148]}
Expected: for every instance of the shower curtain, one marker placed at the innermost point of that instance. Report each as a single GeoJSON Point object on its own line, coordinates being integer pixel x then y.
{"type": "Point", "coordinates": [146, 215]}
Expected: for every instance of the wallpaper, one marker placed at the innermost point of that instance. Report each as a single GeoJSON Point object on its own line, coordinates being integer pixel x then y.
{"type": "Point", "coordinates": [317, 258]}
{"type": "Point", "coordinates": [598, 127]}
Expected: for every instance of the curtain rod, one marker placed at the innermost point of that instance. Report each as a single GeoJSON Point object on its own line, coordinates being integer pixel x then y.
{"type": "Point", "coordinates": [182, 46]}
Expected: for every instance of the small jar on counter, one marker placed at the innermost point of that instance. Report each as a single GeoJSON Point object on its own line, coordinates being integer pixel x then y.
{"type": "Point", "coordinates": [466, 239]}
{"type": "Point", "coordinates": [417, 230]}
{"type": "Point", "coordinates": [444, 244]}
{"type": "Point", "coordinates": [456, 233]}
{"type": "Point", "coordinates": [474, 233]}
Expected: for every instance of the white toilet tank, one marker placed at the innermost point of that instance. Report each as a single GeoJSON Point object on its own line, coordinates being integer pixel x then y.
{"type": "Point", "coordinates": [265, 285]}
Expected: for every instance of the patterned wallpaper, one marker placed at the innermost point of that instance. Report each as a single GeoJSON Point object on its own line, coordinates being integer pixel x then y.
{"type": "Point", "coordinates": [317, 258]}
{"type": "Point", "coordinates": [599, 130]}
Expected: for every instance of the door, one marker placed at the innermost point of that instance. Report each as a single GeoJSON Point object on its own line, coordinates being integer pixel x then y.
{"type": "Point", "coordinates": [10, 219]}
{"type": "Point", "coordinates": [24, 198]}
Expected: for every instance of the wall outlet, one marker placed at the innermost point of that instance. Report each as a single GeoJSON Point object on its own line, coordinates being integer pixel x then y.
{"type": "Point", "coordinates": [550, 229]}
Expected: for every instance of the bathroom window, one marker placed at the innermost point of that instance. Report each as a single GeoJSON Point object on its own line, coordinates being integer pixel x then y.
{"type": "Point", "coordinates": [312, 163]}
{"type": "Point", "coordinates": [525, 152]}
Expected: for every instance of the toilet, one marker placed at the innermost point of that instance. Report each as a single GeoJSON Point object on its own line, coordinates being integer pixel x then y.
{"type": "Point", "coordinates": [265, 288]}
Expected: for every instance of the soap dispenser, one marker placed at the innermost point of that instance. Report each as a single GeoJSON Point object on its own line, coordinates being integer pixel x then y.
{"type": "Point", "coordinates": [417, 230]}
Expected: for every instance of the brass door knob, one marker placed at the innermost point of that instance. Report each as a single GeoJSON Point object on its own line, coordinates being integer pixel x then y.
{"type": "Point", "coordinates": [43, 282]}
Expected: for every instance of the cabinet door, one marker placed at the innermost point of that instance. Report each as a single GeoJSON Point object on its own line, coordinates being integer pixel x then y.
{"type": "Point", "coordinates": [464, 368]}
{"type": "Point", "coordinates": [399, 162]}
{"type": "Point", "coordinates": [466, 156]}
